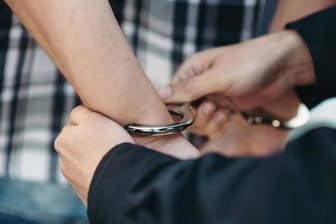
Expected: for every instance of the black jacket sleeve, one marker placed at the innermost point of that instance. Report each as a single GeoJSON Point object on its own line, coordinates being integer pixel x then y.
{"type": "Point", "coordinates": [319, 33]}
{"type": "Point", "coordinates": [135, 185]}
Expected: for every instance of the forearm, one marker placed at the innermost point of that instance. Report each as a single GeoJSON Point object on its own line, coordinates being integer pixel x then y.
{"type": "Point", "coordinates": [290, 10]}
{"type": "Point", "coordinates": [83, 38]}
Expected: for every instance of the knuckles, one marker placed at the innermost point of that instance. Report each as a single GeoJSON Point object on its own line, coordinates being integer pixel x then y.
{"type": "Point", "coordinates": [59, 144]}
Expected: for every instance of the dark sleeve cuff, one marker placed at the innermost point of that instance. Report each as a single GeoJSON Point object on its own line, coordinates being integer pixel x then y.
{"type": "Point", "coordinates": [113, 179]}
{"type": "Point", "coordinates": [319, 33]}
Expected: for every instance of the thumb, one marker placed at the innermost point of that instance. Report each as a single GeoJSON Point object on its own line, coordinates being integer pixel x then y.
{"type": "Point", "coordinates": [188, 90]}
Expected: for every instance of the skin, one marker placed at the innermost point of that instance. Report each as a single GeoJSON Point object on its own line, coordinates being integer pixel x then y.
{"type": "Point", "coordinates": [89, 132]}
{"type": "Point", "coordinates": [221, 133]}
{"type": "Point", "coordinates": [84, 125]}
{"type": "Point", "coordinates": [259, 82]}
{"type": "Point", "coordinates": [253, 78]}
{"type": "Point", "coordinates": [84, 40]}
{"type": "Point", "coordinates": [283, 51]}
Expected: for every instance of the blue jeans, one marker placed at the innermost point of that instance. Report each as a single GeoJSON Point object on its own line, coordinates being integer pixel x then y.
{"type": "Point", "coordinates": [12, 219]}
{"type": "Point", "coordinates": [35, 203]}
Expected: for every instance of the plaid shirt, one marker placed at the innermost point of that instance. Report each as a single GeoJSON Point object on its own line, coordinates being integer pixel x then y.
{"type": "Point", "coordinates": [35, 100]}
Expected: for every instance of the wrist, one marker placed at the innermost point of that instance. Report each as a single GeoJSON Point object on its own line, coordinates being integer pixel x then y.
{"type": "Point", "coordinates": [154, 114]}
{"type": "Point", "coordinates": [297, 66]}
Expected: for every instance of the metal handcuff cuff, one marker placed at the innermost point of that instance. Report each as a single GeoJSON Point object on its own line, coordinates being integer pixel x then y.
{"type": "Point", "coordinates": [185, 118]}
{"type": "Point", "coordinates": [181, 113]}
{"type": "Point", "coordinates": [301, 118]}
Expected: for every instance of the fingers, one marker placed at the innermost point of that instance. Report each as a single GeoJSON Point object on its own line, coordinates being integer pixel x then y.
{"type": "Point", "coordinates": [194, 65]}
{"type": "Point", "coordinates": [61, 143]}
{"type": "Point", "coordinates": [190, 89]}
{"type": "Point", "coordinates": [78, 113]}
{"type": "Point", "coordinates": [210, 121]}
{"type": "Point", "coordinates": [204, 114]}
{"type": "Point", "coordinates": [193, 79]}
{"type": "Point", "coordinates": [58, 143]}
{"type": "Point", "coordinates": [185, 72]}
{"type": "Point", "coordinates": [217, 125]}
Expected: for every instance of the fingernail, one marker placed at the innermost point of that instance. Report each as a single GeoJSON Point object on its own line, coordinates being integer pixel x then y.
{"type": "Point", "coordinates": [165, 92]}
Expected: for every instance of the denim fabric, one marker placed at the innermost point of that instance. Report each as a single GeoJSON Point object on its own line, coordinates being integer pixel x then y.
{"type": "Point", "coordinates": [37, 203]}
{"type": "Point", "coordinates": [12, 219]}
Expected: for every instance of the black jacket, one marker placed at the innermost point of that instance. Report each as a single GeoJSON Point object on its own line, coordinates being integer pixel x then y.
{"type": "Point", "coordinates": [135, 185]}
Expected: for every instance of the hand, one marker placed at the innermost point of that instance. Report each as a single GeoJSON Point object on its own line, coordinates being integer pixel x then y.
{"type": "Point", "coordinates": [257, 77]}
{"type": "Point", "coordinates": [89, 136]}
{"type": "Point", "coordinates": [82, 144]}
{"type": "Point", "coordinates": [242, 139]}
{"type": "Point", "coordinates": [210, 120]}
{"type": "Point", "coordinates": [231, 135]}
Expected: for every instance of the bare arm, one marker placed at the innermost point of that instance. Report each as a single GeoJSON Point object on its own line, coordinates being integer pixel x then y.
{"type": "Point", "coordinates": [83, 38]}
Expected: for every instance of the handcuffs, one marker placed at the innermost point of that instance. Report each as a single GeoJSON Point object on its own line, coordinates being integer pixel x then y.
{"type": "Point", "coordinates": [301, 118]}
{"type": "Point", "coordinates": [184, 118]}
{"type": "Point", "coordinates": [180, 112]}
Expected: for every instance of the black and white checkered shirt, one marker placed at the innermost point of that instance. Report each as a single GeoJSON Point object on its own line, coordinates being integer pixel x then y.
{"type": "Point", "coordinates": [35, 100]}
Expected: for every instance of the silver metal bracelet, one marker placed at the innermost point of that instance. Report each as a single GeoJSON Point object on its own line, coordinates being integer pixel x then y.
{"type": "Point", "coordinates": [182, 113]}
{"type": "Point", "coordinates": [299, 120]}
